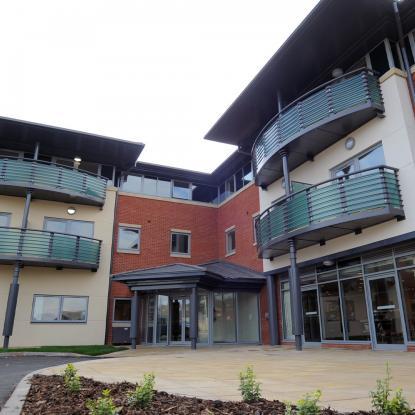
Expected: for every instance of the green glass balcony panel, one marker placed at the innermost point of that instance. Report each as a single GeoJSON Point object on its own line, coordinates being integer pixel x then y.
{"type": "Point", "coordinates": [50, 177]}
{"type": "Point", "coordinates": [48, 248]}
{"type": "Point", "coordinates": [366, 193]}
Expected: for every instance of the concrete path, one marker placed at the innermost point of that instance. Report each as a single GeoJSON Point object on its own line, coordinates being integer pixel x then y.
{"type": "Point", "coordinates": [13, 369]}
{"type": "Point", "coordinates": [344, 376]}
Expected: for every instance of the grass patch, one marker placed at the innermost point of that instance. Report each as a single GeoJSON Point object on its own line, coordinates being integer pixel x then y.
{"type": "Point", "coordinates": [94, 350]}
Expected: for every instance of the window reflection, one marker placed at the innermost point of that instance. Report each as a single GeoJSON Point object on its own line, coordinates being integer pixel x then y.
{"type": "Point", "coordinates": [331, 313]}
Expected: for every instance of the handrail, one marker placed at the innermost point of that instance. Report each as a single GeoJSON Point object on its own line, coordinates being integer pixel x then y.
{"type": "Point", "coordinates": [307, 94]}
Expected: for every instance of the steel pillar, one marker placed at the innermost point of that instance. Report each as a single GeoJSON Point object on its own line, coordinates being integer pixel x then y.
{"type": "Point", "coordinates": [193, 318]}
{"type": "Point", "coordinates": [134, 320]}
{"type": "Point", "coordinates": [272, 310]}
{"type": "Point", "coordinates": [295, 288]}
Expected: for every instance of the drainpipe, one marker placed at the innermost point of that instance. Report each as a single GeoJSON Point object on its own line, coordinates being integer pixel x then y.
{"type": "Point", "coordinates": [134, 320]}
{"type": "Point", "coordinates": [403, 51]}
{"type": "Point", "coordinates": [14, 286]}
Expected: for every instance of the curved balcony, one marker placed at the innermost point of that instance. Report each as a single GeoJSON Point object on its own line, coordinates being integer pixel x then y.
{"type": "Point", "coordinates": [51, 181]}
{"type": "Point", "coordinates": [330, 209]}
{"type": "Point", "coordinates": [315, 121]}
{"type": "Point", "coordinates": [49, 249]}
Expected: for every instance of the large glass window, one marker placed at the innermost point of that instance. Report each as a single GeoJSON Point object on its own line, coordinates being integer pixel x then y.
{"type": "Point", "coordinates": [149, 186]}
{"type": "Point", "coordinates": [162, 318]}
{"type": "Point", "coordinates": [122, 309]}
{"type": "Point", "coordinates": [57, 308]}
{"type": "Point", "coordinates": [379, 59]}
{"type": "Point", "coordinates": [224, 327]}
{"type": "Point", "coordinates": [151, 312]}
{"type": "Point", "coordinates": [331, 312]}
{"type": "Point", "coordinates": [132, 184]}
{"type": "Point", "coordinates": [230, 241]}
{"type": "Point", "coordinates": [5, 219]}
{"type": "Point", "coordinates": [129, 239]}
{"type": "Point", "coordinates": [407, 277]}
{"type": "Point", "coordinates": [164, 188]}
{"type": "Point", "coordinates": [248, 322]}
{"type": "Point", "coordinates": [182, 190]}
{"type": "Point", "coordinates": [72, 227]}
{"type": "Point", "coordinates": [203, 324]}
{"type": "Point", "coordinates": [287, 325]}
{"type": "Point", "coordinates": [180, 243]}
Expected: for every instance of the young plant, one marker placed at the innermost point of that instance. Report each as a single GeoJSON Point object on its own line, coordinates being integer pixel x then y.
{"type": "Point", "coordinates": [382, 401]}
{"type": "Point", "coordinates": [71, 378]}
{"type": "Point", "coordinates": [248, 385]}
{"type": "Point", "coordinates": [103, 405]}
{"type": "Point", "coordinates": [288, 408]}
{"type": "Point", "coordinates": [143, 394]}
{"type": "Point", "coordinates": [309, 405]}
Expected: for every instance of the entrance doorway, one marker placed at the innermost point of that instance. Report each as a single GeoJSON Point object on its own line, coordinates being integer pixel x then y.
{"type": "Point", "coordinates": [386, 313]}
{"type": "Point", "coordinates": [179, 319]}
{"type": "Point", "coordinates": [311, 316]}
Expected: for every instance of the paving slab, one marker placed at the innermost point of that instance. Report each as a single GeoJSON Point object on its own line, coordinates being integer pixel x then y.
{"type": "Point", "coordinates": [344, 376]}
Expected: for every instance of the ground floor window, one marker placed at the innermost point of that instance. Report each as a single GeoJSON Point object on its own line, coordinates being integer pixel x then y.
{"type": "Point", "coordinates": [59, 308]}
{"type": "Point", "coordinates": [122, 309]}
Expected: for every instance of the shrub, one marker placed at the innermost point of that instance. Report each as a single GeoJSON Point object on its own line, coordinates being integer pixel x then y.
{"type": "Point", "coordinates": [143, 393]}
{"type": "Point", "coordinates": [103, 405]}
{"type": "Point", "coordinates": [249, 387]}
{"type": "Point", "coordinates": [71, 378]}
{"type": "Point", "coordinates": [288, 408]}
{"type": "Point", "coordinates": [382, 401]}
{"type": "Point", "coordinates": [309, 404]}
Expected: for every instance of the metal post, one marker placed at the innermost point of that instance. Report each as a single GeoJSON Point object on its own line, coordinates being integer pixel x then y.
{"type": "Point", "coordinates": [272, 310]}
{"type": "Point", "coordinates": [193, 318]}
{"type": "Point", "coordinates": [296, 297]}
{"type": "Point", "coordinates": [134, 320]}
{"type": "Point", "coordinates": [14, 286]}
{"type": "Point", "coordinates": [403, 51]}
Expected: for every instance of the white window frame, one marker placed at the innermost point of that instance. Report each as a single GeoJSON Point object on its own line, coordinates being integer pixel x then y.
{"type": "Point", "coordinates": [61, 299]}
{"type": "Point", "coordinates": [8, 216]}
{"type": "Point", "coordinates": [129, 226]}
{"type": "Point", "coordinates": [113, 310]}
{"type": "Point", "coordinates": [227, 233]}
{"type": "Point", "coordinates": [66, 221]}
{"type": "Point", "coordinates": [181, 232]}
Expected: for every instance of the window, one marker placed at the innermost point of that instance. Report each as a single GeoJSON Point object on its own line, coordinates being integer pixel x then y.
{"type": "Point", "coordinates": [180, 243]}
{"type": "Point", "coordinates": [331, 312]}
{"type": "Point", "coordinates": [58, 308]}
{"type": "Point", "coordinates": [371, 158]}
{"type": "Point", "coordinates": [287, 325]}
{"type": "Point", "coordinates": [384, 57]}
{"type": "Point", "coordinates": [149, 186]}
{"type": "Point", "coordinates": [182, 190]}
{"type": "Point", "coordinates": [129, 238]}
{"type": "Point", "coordinates": [247, 174]}
{"type": "Point", "coordinates": [255, 220]}
{"type": "Point", "coordinates": [131, 184]}
{"type": "Point", "coordinates": [122, 309]}
{"type": "Point", "coordinates": [230, 241]}
{"type": "Point", "coordinates": [410, 48]}
{"type": "Point", "coordinates": [72, 227]}
{"type": "Point", "coordinates": [5, 218]}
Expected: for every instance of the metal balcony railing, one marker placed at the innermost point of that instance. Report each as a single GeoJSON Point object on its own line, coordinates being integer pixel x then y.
{"type": "Point", "coordinates": [52, 181]}
{"type": "Point", "coordinates": [362, 199]}
{"type": "Point", "coordinates": [358, 90]}
{"type": "Point", "coordinates": [36, 247]}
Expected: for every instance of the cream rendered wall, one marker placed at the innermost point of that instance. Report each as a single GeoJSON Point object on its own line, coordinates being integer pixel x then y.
{"type": "Point", "coordinates": [397, 133]}
{"type": "Point", "coordinates": [43, 280]}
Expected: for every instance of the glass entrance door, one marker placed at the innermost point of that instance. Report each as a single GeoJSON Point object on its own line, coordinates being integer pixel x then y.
{"type": "Point", "coordinates": [179, 320]}
{"type": "Point", "coordinates": [311, 316]}
{"type": "Point", "coordinates": [386, 312]}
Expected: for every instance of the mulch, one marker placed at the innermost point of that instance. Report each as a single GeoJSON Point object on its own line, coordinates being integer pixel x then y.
{"type": "Point", "coordinates": [49, 396]}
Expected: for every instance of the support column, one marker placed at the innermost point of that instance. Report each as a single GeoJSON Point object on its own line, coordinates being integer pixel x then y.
{"type": "Point", "coordinates": [272, 311]}
{"type": "Point", "coordinates": [14, 286]}
{"type": "Point", "coordinates": [295, 288]}
{"type": "Point", "coordinates": [193, 318]}
{"type": "Point", "coordinates": [134, 320]}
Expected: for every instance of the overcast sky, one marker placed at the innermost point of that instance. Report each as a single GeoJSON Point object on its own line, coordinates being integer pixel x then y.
{"type": "Point", "coordinates": [159, 72]}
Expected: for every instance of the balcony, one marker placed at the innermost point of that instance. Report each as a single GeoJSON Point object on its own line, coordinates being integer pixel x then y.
{"type": "Point", "coordinates": [49, 249]}
{"type": "Point", "coordinates": [314, 122]}
{"type": "Point", "coordinates": [330, 209]}
{"type": "Point", "coordinates": [51, 181]}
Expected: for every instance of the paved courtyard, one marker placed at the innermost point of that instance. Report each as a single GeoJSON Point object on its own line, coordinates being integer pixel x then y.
{"type": "Point", "coordinates": [344, 376]}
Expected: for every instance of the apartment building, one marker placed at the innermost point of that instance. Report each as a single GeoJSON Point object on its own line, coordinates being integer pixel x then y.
{"type": "Point", "coordinates": [330, 124]}
{"type": "Point", "coordinates": [57, 203]}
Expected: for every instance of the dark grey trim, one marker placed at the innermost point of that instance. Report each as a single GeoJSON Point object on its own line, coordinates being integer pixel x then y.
{"type": "Point", "coordinates": [134, 320]}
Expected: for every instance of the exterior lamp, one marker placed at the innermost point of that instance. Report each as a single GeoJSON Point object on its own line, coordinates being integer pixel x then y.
{"type": "Point", "coordinates": [71, 210]}
{"type": "Point", "coordinates": [77, 161]}
{"type": "Point", "coordinates": [350, 142]}
{"type": "Point", "coordinates": [328, 263]}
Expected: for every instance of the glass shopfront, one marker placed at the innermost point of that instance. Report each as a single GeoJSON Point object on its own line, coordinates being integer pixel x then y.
{"type": "Point", "coordinates": [365, 299]}
{"type": "Point", "coordinates": [223, 317]}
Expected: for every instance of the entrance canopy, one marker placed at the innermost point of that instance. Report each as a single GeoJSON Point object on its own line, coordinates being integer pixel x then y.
{"type": "Point", "coordinates": [211, 275]}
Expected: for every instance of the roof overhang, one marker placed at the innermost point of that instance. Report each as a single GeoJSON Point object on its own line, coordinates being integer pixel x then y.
{"type": "Point", "coordinates": [61, 142]}
{"type": "Point", "coordinates": [336, 34]}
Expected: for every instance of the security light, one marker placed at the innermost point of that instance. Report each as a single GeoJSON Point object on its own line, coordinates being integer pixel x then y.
{"type": "Point", "coordinates": [328, 263]}
{"type": "Point", "coordinates": [71, 210]}
{"type": "Point", "coordinates": [77, 159]}
{"type": "Point", "coordinates": [350, 142]}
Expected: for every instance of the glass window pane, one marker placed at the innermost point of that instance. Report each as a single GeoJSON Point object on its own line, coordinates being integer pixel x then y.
{"type": "Point", "coordinates": [122, 310]}
{"type": "Point", "coordinates": [379, 266]}
{"type": "Point", "coordinates": [89, 167]}
{"type": "Point", "coordinates": [411, 57]}
{"type": "Point", "coordinates": [248, 175]}
{"type": "Point", "coordinates": [374, 157]}
{"type": "Point", "coordinates": [287, 324]}
{"type": "Point", "coordinates": [182, 190]}
{"type": "Point", "coordinates": [407, 277]}
{"type": "Point", "coordinates": [222, 193]}
{"type": "Point", "coordinates": [203, 323]}
{"type": "Point", "coordinates": [331, 315]}
{"type": "Point", "coordinates": [80, 228]}
{"type": "Point", "coordinates": [180, 243]}
{"type": "Point", "coordinates": [379, 59]}
{"type": "Point", "coordinates": [230, 187]}
{"type": "Point", "coordinates": [344, 170]}
{"type": "Point", "coordinates": [5, 219]}
{"type": "Point", "coordinates": [150, 318]}
{"type": "Point", "coordinates": [74, 308]}
{"type": "Point", "coordinates": [405, 261]}
{"type": "Point", "coordinates": [53, 225]}
{"type": "Point", "coordinates": [396, 60]}
{"type": "Point", "coordinates": [129, 239]}
{"type": "Point", "coordinates": [239, 180]}
{"type": "Point", "coordinates": [132, 184]}
{"type": "Point", "coordinates": [224, 327]}
{"type": "Point", "coordinates": [230, 242]}
{"type": "Point", "coordinates": [327, 276]}
{"type": "Point", "coordinates": [164, 188]}
{"type": "Point", "coordinates": [150, 186]}
{"type": "Point", "coordinates": [248, 330]}
{"type": "Point", "coordinates": [355, 310]}
{"type": "Point", "coordinates": [350, 272]}
{"type": "Point", "coordinates": [46, 308]}
{"type": "Point", "coordinates": [162, 318]}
